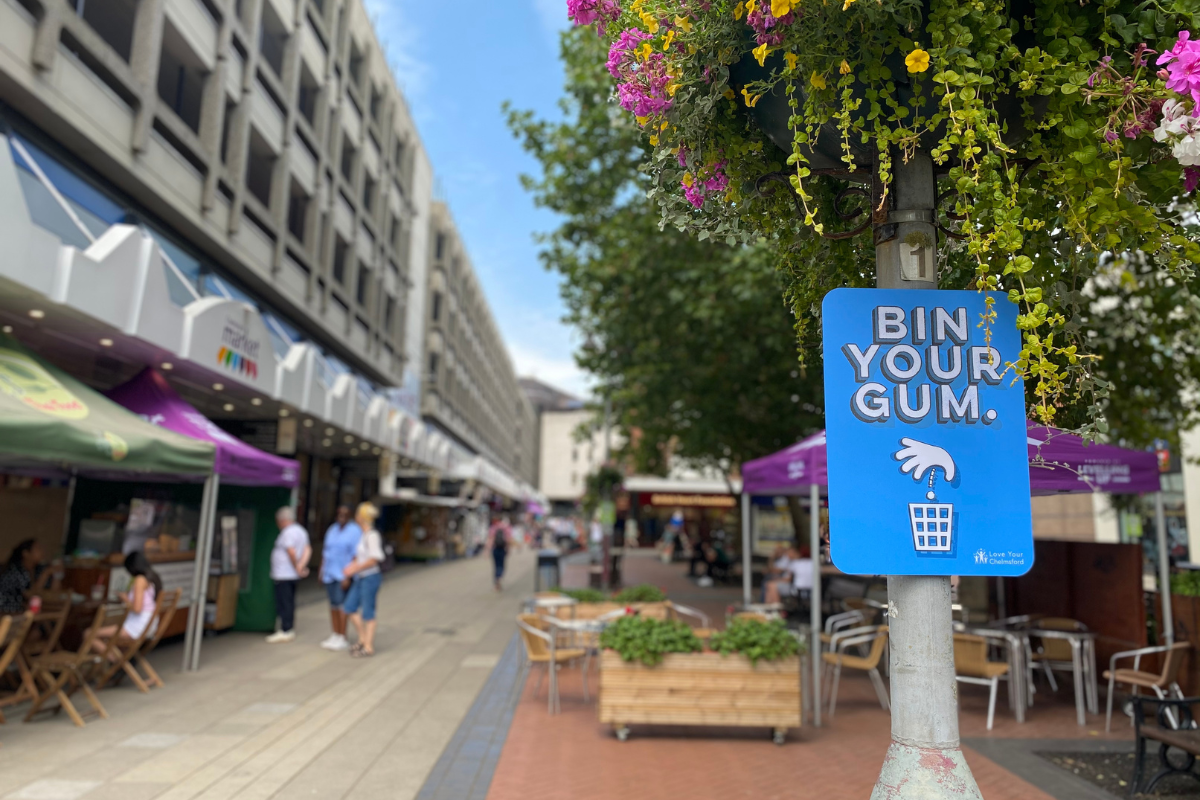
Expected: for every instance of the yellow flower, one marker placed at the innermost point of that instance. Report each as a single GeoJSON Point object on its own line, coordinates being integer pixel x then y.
{"type": "Point", "coordinates": [684, 24]}
{"type": "Point", "coordinates": [817, 80]}
{"type": "Point", "coordinates": [645, 50]}
{"type": "Point", "coordinates": [688, 180]}
{"type": "Point", "coordinates": [636, 5]}
{"type": "Point", "coordinates": [760, 54]}
{"type": "Point", "coordinates": [750, 6]}
{"type": "Point", "coordinates": [845, 67]}
{"type": "Point", "coordinates": [672, 88]}
{"type": "Point", "coordinates": [670, 37]}
{"type": "Point", "coordinates": [917, 60]}
{"type": "Point", "coordinates": [738, 10]}
{"type": "Point", "coordinates": [846, 5]}
{"type": "Point", "coordinates": [654, 140]}
{"type": "Point", "coordinates": [791, 59]}
{"type": "Point", "coordinates": [642, 120]}
{"type": "Point", "coordinates": [649, 21]}
{"type": "Point", "coordinates": [729, 95]}
{"type": "Point", "coordinates": [751, 101]}
{"type": "Point", "coordinates": [781, 7]}
{"type": "Point", "coordinates": [664, 126]}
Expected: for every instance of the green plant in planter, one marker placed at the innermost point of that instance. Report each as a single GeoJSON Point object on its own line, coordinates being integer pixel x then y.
{"type": "Point", "coordinates": [642, 593]}
{"type": "Point", "coordinates": [637, 638]}
{"type": "Point", "coordinates": [756, 640]}
{"type": "Point", "coordinates": [1065, 149]}
{"type": "Point", "coordinates": [582, 595]}
{"type": "Point", "coordinates": [1186, 583]}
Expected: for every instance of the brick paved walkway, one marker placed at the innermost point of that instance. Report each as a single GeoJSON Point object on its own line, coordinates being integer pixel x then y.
{"type": "Point", "coordinates": [573, 755]}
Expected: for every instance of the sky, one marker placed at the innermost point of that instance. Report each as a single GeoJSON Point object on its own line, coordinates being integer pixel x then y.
{"type": "Point", "coordinates": [456, 64]}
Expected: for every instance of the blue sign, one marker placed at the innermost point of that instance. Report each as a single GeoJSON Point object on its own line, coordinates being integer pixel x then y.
{"type": "Point", "coordinates": [925, 429]}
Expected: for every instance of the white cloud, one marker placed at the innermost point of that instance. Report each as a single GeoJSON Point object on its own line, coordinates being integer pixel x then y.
{"type": "Point", "coordinates": [559, 372]}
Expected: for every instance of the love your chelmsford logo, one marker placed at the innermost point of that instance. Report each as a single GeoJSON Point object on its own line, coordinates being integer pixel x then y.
{"type": "Point", "coordinates": [238, 352]}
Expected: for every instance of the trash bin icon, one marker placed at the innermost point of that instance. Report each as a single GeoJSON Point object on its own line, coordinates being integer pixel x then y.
{"type": "Point", "coordinates": [932, 526]}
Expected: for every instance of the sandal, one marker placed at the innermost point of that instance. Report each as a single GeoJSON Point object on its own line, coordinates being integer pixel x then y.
{"type": "Point", "coordinates": [356, 650]}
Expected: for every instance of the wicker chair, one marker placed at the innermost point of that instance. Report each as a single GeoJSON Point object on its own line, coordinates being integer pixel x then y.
{"type": "Point", "coordinates": [1163, 684]}
{"type": "Point", "coordinates": [971, 665]}
{"type": "Point", "coordinates": [877, 636]}
{"type": "Point", "coordinates": [541, 647]}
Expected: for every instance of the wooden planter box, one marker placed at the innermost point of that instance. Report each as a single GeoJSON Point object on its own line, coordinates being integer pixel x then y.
{"type": "Point", "coordinates": [701, 689]}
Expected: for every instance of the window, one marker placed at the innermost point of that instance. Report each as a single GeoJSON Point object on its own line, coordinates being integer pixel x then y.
{"type": "Point", "coordinates": [439, 246]}
{"type": "Point", "coordinates": [389, 311]}
{"type": "Point", "coordinates": [433, 366]}
{"type": "Point", "coordinates": [340, 252]}
{"type": "Point", "coordinates": [357, 57]}
{"type": "Point", "coordinates": [297, 220]}
{"type": "Point", "coordinates": [436, 310]}
{"type": "Point", "coordinates": [368, 196]}
{"type": "Point", "coordinates": [306, 98]}
{"type": "Point", "coordinates": [349, 154]}
{"type": "Point", "coordinates": [112, 19]}
{"type": "Point", "coordinates": [260, 166]}
{"type": "Point", "coordinates": [398, 155]}
{"type": "Point", "coordinates": [364, 284]}
{"type": "Point", "coordinates": [226, 129]}
{"type": "Point", "coordinates": [181, 77]}
{"type": "Point", "coordinates": [272, 38]}
{"type": "Point", "coordinates": [394, 231]}
{"type": "Point", "coordinates": [376, 102]}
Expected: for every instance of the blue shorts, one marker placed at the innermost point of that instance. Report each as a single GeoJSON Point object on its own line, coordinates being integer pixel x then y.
{"type": "Point", "coordinates": [337, 595]}
{"type": "Point", "coordinates": [362, 595]}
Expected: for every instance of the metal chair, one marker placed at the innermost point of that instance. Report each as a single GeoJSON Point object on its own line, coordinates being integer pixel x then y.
{"type": "Point", "coordinates": [541, 647]}
{"type": "Point", "coordinates": [1054, 654]}
{"type": "Point", "coordinates": [971, 665]}
{"type": "Point", "coordinates": [877, 637]}
{"type": "Point", "coordinates": [1163, 684]}
{"type": "Point", "coordinates": [846, 620]}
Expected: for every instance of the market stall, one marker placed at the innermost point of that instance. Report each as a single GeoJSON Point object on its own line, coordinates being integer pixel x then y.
{"type": "Point", "coordinates": [55, 432]}
{"type": "Point", "coordinates": [252, 485]}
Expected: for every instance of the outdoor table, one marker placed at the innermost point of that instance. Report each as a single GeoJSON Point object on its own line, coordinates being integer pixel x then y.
{"type": "Point", "coordinates": [1014, 645]}
{"type": "Point", "coordinates": [1083, 667]}
{"type": "Point", "coordinates": [552, 603]}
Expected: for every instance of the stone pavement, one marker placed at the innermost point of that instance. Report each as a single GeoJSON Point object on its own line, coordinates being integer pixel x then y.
{"type": "Point", "coordinates": [573, 755]}
{"type": "Point", "coordinates": [288, 721]}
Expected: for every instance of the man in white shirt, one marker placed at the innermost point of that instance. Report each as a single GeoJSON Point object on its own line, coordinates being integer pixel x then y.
{"type": "Point", "coordinates": [289, 563]}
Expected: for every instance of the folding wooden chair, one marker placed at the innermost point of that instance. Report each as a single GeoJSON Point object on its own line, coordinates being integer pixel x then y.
{"type": "Point", "coordinates": [12, 636]}
{"type": "Point", "coordinates": [29, 636]}
{"type": "Point", "coordinates": [127, 653]}
{"type": "Point", "coordinates": [62, 673]}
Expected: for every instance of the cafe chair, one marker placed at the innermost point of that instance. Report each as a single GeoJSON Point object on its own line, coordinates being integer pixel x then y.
{"type": "Point", "coordinates": [127, 653]}
{"type": "Point", "coordinates": [877, 636]}
{"type": "Point", "coordinates": [12, 636]}
{"type": "Point", "coordinates": [61, 673]}
{"type": "Point", "coordinates": [1054, 654]}
{"type": "Point", "coordinates": [1163, 685]}
{"type": "Point", "coordinates": [847, 620]}
{"type": "Point", "coordinates": [971, 665]}
{"type": "Point", "coordinates": [541, 647]}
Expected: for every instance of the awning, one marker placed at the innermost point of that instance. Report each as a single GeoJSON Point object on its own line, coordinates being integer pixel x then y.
{"type": "Point", "coordinates": [150, 396]}
{"type": "Point", "coordinates": [47, 418]}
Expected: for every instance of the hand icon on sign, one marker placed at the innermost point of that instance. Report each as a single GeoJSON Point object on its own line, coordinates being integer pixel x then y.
{"type": "Point", "coordinates": [919, 458]}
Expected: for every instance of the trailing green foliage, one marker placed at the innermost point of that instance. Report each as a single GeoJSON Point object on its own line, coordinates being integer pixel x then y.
{"type": "Point", "coordinates": [637, 638]}
{"type": "Point", "coordinates": [642, 593]}
{"type": "Point", "coordinates": [756, 640]}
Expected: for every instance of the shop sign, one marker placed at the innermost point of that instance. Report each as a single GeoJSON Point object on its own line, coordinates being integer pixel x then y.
{"type": "Point", "coordinates": [24, 379]}
{"type": "Point", "coordinates": [693, 500]}
{"type": "Point", "coordinates": [926, 437]}
{"type": "Point", "coordinates": [230, 337]}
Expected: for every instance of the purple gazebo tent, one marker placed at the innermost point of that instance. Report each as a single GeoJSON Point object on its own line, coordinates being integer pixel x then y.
{"type": "Point", "coordinates": [1059, 462]}
{"type": "Point", "coordinates": [150, 396]}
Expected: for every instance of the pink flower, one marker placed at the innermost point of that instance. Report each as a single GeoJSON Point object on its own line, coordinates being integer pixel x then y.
{"type": "Point", "coordinates": [683, 154]}
{"type": "Point", "coordinates": [1191, 179]}
{"type": "Point", "coordinates": [621, 57]}
{"type": "Point", "coordinates": [763, 23]}
{"type": "Point", "coordinates": [1183, 66]}
{"type": "Point", "coordinates": [585, 12]}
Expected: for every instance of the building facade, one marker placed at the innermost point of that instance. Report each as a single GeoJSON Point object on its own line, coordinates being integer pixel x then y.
{"type": "Point", "coordinates": [233, 192]}
{"type": "Point", "coordinates": [572, 444]}
{"type": "Point", "coordinates": [470, 388]}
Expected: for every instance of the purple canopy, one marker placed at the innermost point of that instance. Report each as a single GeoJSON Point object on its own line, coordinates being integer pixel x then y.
{"type": "Point", "coordinates": [152, 398]}
{"type": "Point", "coordinates": [1058, 462]}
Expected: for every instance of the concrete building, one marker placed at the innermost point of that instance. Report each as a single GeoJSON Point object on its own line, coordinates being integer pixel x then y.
{"type": "Point", "coordinates": [234, 191]}
{"type": "Point", "coordinates": [572, 447]}
{"type": "Point", "coordinates": [543, 397]}
{"type": "Point", "coordinates": [470, 386]}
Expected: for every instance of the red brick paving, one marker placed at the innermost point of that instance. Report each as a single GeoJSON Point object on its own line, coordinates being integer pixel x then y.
{"type": "Point", "coordinates": [573, 755]}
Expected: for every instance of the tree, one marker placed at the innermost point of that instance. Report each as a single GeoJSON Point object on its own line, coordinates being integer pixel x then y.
{"type": "Point", "coordinates": [690, 338]}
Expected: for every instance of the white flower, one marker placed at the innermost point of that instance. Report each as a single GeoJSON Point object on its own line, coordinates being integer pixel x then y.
{"type": "Point", "coordinates": [1187, 150]}
{"type": "Point", "coordinates": [1175, 122]}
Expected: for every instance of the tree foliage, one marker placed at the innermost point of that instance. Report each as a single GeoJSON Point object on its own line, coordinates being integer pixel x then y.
{"type": "Point", "coordinates": [691, 339]}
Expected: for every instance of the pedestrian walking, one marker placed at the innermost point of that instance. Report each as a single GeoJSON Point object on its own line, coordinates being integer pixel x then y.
{"type": "Point", "coordinates": [366, 578]}
{"type": "Point", "coordinates": [338, 550]}
{"type": "Point", "coordinates": [289, 563]}
{"type": "Point", "coordinates": [500, 536]}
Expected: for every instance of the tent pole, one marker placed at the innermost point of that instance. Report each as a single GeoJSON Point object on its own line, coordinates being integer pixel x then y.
{"type": "Point", "coordinates": [814, 650]}
{"type": "Point", "coordinates": [204, 537]}
{"type": "Point", "coordinates": [67, 517]}
{"type": "Point", "coordinates": [1164, 569]}
{"type": "Point", "coordinates": [747, 574]}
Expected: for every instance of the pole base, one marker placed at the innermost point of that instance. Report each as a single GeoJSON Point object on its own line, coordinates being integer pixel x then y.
{"type": "Point", "coordinates": [920, 773]}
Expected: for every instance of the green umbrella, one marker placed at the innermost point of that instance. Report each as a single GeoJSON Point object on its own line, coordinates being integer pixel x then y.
{"type": "Point", "coordinates": [48, 418]}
